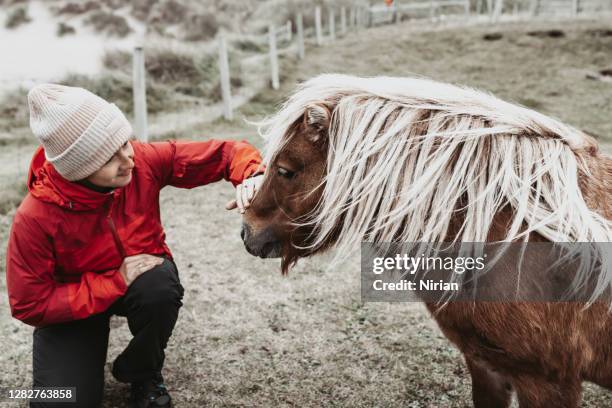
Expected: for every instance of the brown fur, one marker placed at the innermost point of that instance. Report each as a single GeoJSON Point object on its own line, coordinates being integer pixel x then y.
{"type": "Point", "coordinates": [542, 351]}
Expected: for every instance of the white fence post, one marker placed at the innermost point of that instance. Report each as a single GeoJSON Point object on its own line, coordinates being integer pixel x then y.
{"type": "Point", "coordinates": [499, 5]}
{"type": "Point", "coordinates": [224, 75]}
{"type": "Point", "coordinates": [574, 8]}
{"type": "Point", "coordinates": [299, 21]}
{"type": "Point", "coordinates": [289, 31]}
{"type": "Point", "coordinates": [318, 25]}
{"type": "Point", "coordinates": [352, 17]}
{"type": "Point", "coordinates": [396, 12]}
{"type": "Point", "coordinates": [332, 25]}
{"type": "Point", "coordinates": [467, 8]}
{"type": "Point", "coordinates": [273, 57]}
{"type": "Point", "coordinates": [343, 21]}
{"type": "Point", "coordinates": [432, 10]}
{"type": "Point", "coordinates": [139, 90]}
{"type": "Point", "coordinates": [535, 6]}
{"type": "Point", "coordinates": [479, 7]}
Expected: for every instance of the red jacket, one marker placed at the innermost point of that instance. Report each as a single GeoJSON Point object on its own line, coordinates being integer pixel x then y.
{"type": "Point", "coordinates": [67, 242]}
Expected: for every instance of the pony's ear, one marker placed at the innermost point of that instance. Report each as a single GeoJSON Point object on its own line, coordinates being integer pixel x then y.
{"type": "Point", "coordinates": [317, 118]}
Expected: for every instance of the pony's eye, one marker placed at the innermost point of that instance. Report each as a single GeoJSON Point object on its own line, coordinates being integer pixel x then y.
{"type": "Point", "coordinates": [288, 174]}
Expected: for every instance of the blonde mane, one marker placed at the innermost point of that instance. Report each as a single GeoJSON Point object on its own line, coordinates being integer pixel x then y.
{"type": "Point", "coordinates": [406, 155]}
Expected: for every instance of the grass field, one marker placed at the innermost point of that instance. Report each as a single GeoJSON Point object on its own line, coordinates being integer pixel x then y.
{"type": "Point", "coordinates": [247, 336]}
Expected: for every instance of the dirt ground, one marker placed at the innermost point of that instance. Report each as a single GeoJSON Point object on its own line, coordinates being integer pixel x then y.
{"type": "Point", "coordinates": [247, 336]}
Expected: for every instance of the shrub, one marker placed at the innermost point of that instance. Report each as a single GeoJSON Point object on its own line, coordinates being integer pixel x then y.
{"type": "Point", "coordinates": [78, 8]}
{"type": "Point", "coordinates": [114, 4]}
{"type": "Point", "coordinates": [17, 17]}
{"type": "Point", "coordinates": [162, 65]}
{"type": "Point", "coordinates": [250, 45]}
{"type": "Point", "coordinates": [117, 60]}
{"type": "Point", "coordinates": [201, 27]}
{"type": "Point", "coordinates": [167, 66]}
{"type": "Point", "coordinates": [109, 23]}
{"type": "Point", "coordinates": [142, 8]}
{"type": "Point", "coordinates": [168, 12]}
{"type": "Point", "coordinates": [65, 29]}
{"type": "Point", "coordinates": [14, 111]}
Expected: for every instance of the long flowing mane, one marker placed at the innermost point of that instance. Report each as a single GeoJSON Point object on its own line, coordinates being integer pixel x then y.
{"type": "Point", "coordinates": [406, 156]}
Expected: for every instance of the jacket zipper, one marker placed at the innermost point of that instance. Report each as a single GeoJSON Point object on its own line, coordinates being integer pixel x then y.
{"type": "Point", "coordinates": [113, 229]}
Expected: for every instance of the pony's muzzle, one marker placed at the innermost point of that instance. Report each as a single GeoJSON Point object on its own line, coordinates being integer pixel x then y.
{"type": "Point", "coordinates": [263, 244]}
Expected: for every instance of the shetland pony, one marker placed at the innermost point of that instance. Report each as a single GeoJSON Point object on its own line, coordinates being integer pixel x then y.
{"type": "Point", "coordinates": [383, 159]}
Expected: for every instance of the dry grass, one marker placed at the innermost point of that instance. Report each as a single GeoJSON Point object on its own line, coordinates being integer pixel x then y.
{"type": "Point", "coordinates": [17, 17]}
{"type": "Point", "coordinates": [248, 337]}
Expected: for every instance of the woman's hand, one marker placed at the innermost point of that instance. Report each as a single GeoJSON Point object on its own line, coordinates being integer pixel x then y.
{"type": "Point", "coordinates": [134, 266]}
{"type": "Point", "coordinates": [245, 193]}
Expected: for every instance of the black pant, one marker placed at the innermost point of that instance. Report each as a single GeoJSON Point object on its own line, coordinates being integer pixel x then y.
{"type": "Point", "coordinates": [73, 354]}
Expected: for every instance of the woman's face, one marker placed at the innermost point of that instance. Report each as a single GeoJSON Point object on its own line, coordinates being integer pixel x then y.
{"type": "Point", "coordinates": [117, 172]}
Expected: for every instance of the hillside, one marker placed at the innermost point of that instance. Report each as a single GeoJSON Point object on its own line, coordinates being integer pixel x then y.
{"type": "Point", "coordinates": [35, 32]}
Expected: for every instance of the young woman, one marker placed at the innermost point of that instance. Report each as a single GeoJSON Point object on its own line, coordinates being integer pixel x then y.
{"type": "Point", "coordinates": [87, 241]}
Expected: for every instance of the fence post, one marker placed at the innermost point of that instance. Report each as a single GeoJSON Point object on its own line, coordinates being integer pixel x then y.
{"type": "Point", "coordinates": [273, 56]}
{"type": "Point", "coordinates": [535, 6]}
{"type": "Point", "coordinates": [432, 10]}
{"type": "Point", "coordinates": [299, 21]}
{"type": "Point", "coordinates": [396, 12]}
{"type": "Point", "coordinates": [499, 5]}
{"type": "Point", "coordinates": [318, 25]}
{"type": "Point", "coordinates": [224, 75]}
{"type": "Point", "coordinates": [574, 8]}
{"type": "Point", "coordinates": [343, 21]}
{"type": "Point", "coordinates": [332, 25]}
{"type": "Point", "coordinates": [358, 18]}
{"type": "Point", "coordinates": [289, 30]}
{"type": "Point", "coordinates": [479, 7]}
{"type": "Point", "coordinates": [352, 17]}
{"type": "Point", "coordinates": [467, 8]}
{"type": "Point", "coordinates": [139, 90]}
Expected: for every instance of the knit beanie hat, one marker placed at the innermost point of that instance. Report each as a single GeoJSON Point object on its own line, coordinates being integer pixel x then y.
{"type": "Point", "coordinates": [78, 130]}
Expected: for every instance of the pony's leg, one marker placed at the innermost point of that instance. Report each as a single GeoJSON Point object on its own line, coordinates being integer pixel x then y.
{"type": "Point", "coordinates": [539, 392]}
{"type": "Point", "coordinates": [489, 389]}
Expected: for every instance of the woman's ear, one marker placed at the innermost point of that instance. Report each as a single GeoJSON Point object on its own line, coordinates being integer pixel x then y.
{"type": "Point", "coordinates": [317, 118]}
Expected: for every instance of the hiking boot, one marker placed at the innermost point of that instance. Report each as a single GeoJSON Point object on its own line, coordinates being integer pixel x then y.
{"type": "Point", "coordinates": [150, 394]}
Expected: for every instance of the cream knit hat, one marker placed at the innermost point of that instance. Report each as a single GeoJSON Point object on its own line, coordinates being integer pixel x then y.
{"type": "Point", "coordinates": [78, 130]}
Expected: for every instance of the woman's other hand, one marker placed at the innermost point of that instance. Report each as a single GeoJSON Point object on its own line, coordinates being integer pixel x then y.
{"type": "Point", "coordinates": [245, 193]}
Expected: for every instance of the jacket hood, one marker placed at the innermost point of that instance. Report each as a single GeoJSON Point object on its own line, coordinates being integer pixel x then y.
{"type": "Point", "coordinates": [46, 184]}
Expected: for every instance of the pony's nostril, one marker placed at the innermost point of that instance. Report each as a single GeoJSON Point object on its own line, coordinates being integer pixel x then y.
{"type": "Point", "coordinates": [242, 233]}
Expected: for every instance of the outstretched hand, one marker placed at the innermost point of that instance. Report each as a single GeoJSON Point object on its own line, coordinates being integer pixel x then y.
{"type": "Point", "coordinates": [245, 193]}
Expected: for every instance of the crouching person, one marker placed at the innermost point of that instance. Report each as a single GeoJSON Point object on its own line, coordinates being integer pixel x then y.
{"type": "Point", "coordinates": [87, 242]}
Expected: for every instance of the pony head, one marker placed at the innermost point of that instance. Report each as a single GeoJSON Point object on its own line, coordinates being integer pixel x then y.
{"type": "Point", "coordinates": [384, 159]}
{"type": "Point", "coordinates": [291, 189]}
